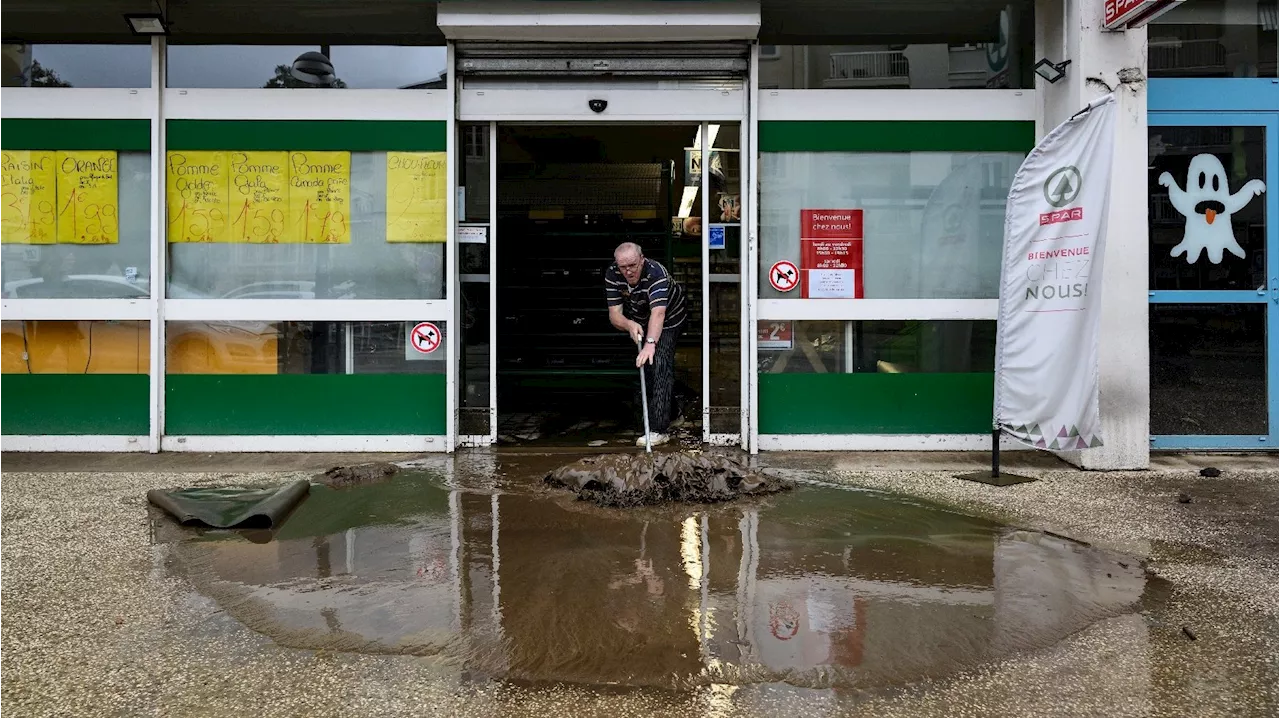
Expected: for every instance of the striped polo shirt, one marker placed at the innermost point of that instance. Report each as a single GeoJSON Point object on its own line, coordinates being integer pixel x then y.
{"type": "Point", "coordinates": [655, 288]}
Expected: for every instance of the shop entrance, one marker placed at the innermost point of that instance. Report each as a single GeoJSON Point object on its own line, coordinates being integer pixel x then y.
{"type": "Point", "coordinates": [1213, 313]}
{"type": "Point", "coordinates": [553, 371]}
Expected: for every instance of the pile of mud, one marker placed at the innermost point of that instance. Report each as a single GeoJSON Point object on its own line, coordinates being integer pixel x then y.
{"type": "Point", "coordinates": [623, 480]}
{"type": "Point", "coordinates": [360, 474]}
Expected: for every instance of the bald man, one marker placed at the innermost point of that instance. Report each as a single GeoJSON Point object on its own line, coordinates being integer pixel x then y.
{"type": "Point", "coordinates": [646, 303]}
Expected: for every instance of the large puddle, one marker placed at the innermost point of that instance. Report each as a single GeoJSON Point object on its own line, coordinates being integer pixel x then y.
{"type": "Point", "coordinates": [820, 587]}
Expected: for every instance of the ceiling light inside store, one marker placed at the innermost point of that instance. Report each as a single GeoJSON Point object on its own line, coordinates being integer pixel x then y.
{"type": "Point", "coordinates": [686, 200]}
{"type": "Point", "coordinates": [147, 24]}
{"type": "Point", "coordinates": [1051, 72]}
{"type": "Point", "coordinates": [712, 131]}
{"type": "Point", "coordinates": [691, 192]}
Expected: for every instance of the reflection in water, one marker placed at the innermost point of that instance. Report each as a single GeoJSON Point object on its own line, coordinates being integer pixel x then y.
{"type": "Point", "coordinates": [821, 588]}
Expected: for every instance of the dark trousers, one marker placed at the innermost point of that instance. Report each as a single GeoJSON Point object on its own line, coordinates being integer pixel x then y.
{"type": "Point", "coordinates": [660, 380]}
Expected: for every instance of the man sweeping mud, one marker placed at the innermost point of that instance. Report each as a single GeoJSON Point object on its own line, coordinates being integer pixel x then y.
{"type": "Point", "coordinates": [646, 303]}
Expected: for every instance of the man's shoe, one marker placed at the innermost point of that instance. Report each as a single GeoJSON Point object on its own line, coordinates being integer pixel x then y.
{"type": "Point", "coordinates": [654, 439]}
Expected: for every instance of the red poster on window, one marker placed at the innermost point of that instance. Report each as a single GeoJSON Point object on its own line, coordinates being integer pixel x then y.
{"type": "Point", "coordinates": [831, 254]}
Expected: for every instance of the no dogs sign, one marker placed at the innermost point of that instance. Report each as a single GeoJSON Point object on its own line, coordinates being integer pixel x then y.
{"type": "Point", "coordinates": [425, 337]}
{"type": "Point", "coordinates": [783, 276]}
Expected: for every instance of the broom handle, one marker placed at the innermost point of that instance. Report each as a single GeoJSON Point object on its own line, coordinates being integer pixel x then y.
{"type": "Point", "coordinates": [644, 403]}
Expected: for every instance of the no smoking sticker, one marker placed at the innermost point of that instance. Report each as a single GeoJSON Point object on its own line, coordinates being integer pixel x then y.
{"type": "Point", "coordinates": [783, 276]}
{"type": "Point", "coordinates": [425, 337]}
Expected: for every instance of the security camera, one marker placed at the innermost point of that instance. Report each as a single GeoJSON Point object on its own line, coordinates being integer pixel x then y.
{"type": "Point", "coordinates": [597, 106]}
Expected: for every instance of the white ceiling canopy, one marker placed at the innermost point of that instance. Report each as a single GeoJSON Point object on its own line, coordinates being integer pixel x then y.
{"type": "Point", "coordinates": [601, 21]}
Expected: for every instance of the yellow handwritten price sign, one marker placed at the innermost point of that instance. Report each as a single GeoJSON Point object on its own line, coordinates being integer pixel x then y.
{"type": "Point", "coordinates": [259, 197]}
{"type": "Point", "coordinates": [319, 197]}
{"type": "Point", "coordinates": [416, 209]}
{"type": "Point", "coordinates": [196, 185]}
{"type": "Point", "coordinates": [28, 208]}
{"type": "Point", "coordinates": [88, 195]}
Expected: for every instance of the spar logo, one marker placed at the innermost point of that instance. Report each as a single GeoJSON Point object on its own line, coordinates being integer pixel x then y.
{"type": "Point", "coordinates": [1061, 189]}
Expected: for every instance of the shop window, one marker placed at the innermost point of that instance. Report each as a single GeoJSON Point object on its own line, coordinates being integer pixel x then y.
{"type": "Point", "coordinates": [986, 51]}
{"type": "Point", "coordinates": [890, 377]}
{"type": "Point", "coordinates": [932, 223]}
{"type": "Point", "coordinates": [305, 378]}
{"type": "Point", "coordinates": [75, 377]}
{"type": "Point", "coordinates": [76, 347]}
{"type": "Point", "coordinates": [290, 253]}
{"type": "Point", "coordinates": [364, 67]}
{"type": "Point", "coordinates": [1207, 207]}
{"type": "Point", "coordinates": [65, 241]}
{"type": "Point", "coordinates": [76, 65]}
{"type": "Point", "coordinates": [883, 347]}
{"type": "Point", "coordinates": [303, 348]}
{"type": "Point", "coordinates": [1214, 38]}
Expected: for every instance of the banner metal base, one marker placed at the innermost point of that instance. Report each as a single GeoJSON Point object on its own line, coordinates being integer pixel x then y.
{"type": "Point", "coordinates": [995, 477]}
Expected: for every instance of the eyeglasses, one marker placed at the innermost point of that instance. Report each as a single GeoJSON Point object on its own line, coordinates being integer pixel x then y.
{"type": "Point", "coordinates": [630, 266]}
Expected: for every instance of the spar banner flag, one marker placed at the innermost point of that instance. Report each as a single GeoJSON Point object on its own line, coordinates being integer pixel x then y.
{"type": "Point", "coordinates": [1051, 285]}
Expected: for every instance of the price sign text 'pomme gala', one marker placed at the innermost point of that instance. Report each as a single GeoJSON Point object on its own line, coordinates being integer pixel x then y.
{"type": "Point", "coordinates": [297, 196]}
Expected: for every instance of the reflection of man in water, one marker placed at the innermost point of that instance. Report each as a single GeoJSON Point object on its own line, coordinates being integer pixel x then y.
{"type": "Point", "coordinates": [648, 304]}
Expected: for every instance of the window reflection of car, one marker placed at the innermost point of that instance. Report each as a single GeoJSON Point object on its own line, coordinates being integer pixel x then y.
{"type": "Point", "coordinates": [222, 348]}
{"type": "Point", "coordinates": [193, 347]}
{"type": "Point", "coordinates": [288, 290]}
{"type": "Point", "coordinates": [78, 286]}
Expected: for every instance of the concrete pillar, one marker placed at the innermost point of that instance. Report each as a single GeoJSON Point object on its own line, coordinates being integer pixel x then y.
{"type": "Point", "coordinates": [1102, 62]}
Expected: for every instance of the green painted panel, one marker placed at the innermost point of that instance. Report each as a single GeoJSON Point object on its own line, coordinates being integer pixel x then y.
{"type": "Point", "coordinates": [933, 136]}
{"type": "Point", "coordinates": [32, 134]}
{"type": "Point", "coordinates": [352, 135]}
{"type": "Point", "coordinates": [302, 404]}
{"type": "Point", "coordinates": [870, 403]}
{"type": "Point", "coordinates": [40, 404]}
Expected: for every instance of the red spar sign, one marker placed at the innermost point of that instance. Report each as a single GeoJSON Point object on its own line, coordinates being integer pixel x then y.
{"type": "Point", "coordinates": [1125, 14]}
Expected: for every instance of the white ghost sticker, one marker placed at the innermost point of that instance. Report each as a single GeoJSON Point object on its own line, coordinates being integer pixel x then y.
{"type": "Point", "coordinates": [1207, 204]}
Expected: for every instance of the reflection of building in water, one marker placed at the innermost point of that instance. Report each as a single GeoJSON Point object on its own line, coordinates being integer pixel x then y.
{"type": "Point", "coordinates": [519, 587]}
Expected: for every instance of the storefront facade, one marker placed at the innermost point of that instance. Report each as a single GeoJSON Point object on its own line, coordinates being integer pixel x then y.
{"type": "Point", "coordinates": [288, 267]}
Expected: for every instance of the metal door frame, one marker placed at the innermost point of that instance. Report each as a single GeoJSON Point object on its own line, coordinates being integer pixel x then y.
{"type": "Point", "coordinates": [746, 249]}
{"type": "Point", "coordinates": [1269, 295]}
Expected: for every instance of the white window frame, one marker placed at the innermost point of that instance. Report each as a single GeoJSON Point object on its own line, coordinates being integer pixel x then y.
{"type": "Point", "coordinates": [159, 104]}
{"type": "Point", "coordinates": [135, 103]}
{"type": "Point", "coordinates": [727, 106]}
{"type": "Point", "coordinates": [490, 133]}
{"type": "Point", "coordinates": [870, 105]}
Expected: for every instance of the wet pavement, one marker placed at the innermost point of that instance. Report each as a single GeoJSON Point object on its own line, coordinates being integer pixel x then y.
{"type": "Point", "coordinates": [827, 587]}
{"type": "Point", "coordinates": [502, 596]}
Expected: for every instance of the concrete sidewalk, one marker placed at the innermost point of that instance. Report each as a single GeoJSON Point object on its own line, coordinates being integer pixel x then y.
{"type": "Point", "coordinates": [99, 622]}
{"type": "Point", "coordinates": [184, 462]}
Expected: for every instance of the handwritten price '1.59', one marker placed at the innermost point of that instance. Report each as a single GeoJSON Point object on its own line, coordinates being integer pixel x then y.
{"type": "Point", "coordinates": [260, 225]}
{"type": "Point", "coordinates": [196, 224]}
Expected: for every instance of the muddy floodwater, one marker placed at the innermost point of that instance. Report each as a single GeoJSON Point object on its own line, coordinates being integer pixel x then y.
{"type": "Point", "coordinates": [496, 577]}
